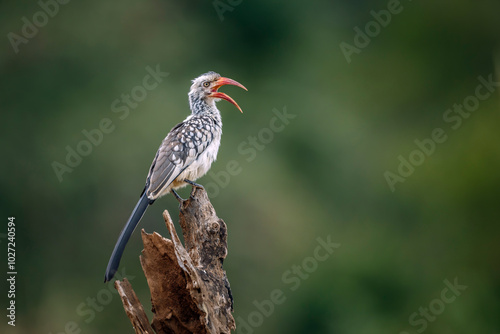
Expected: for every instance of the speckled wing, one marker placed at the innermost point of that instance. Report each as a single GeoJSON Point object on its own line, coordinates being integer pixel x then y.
{"type": "Point", "coordinates": [182, 146]}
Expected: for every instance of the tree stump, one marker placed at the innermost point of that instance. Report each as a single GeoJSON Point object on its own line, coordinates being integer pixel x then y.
{"type": "Point", "coordinates": [189, 289]}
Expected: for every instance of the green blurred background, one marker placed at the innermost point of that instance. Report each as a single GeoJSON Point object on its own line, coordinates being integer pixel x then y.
{"type": "Point", "coordinates": [322, 175]}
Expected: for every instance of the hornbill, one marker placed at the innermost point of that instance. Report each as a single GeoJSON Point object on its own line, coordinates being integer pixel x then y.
{"type": "Point", "coordinates": [185, 155]}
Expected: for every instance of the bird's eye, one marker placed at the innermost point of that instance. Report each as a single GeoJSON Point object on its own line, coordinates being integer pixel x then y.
{"type": "Point", "coordinates": [206, 84]}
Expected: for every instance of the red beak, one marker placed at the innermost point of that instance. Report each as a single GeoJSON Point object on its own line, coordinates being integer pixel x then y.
{"type": "Point", "coordinates": [226, 81]}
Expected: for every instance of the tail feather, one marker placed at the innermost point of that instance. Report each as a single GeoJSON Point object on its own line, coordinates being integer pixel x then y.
{"type": "Point", "coordinates": [125, 234]}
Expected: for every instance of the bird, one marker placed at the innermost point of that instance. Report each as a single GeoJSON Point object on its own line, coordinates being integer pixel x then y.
{"type": "Point", "coordinates": [186, 154]}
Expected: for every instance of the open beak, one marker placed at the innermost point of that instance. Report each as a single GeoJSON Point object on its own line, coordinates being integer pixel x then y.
{"type": "Point", "coordinates": [219, 95]}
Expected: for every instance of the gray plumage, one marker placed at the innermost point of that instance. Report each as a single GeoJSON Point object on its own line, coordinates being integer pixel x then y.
{"type": "Point", "coordinates": [186, 154]}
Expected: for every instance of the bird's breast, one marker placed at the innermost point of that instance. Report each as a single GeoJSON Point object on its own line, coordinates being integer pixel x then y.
{"type": "Point", "coordinates": [205, 158]}
{"type": "Point", "coordinates": [204, 161]}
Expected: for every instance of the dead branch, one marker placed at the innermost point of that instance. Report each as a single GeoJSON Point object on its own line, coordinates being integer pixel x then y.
{"type": "Point", "coordinates": [133, 307]}
{"type": "Point", "coordinates": [189, 289]}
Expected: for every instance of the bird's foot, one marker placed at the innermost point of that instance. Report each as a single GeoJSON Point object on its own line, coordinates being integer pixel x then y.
{"type": "Point", "coordinates": [176, 195]}
{"type": "Point", "coordinates": [194, 184]}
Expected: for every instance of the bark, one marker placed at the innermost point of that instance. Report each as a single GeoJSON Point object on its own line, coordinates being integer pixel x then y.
{"type": "Point", "coordinates": [133, 307]}
{"type": "Point", "coordinates": [189, 289]}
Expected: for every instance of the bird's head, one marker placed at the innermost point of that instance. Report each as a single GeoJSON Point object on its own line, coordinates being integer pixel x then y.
{"type": "Point", "coordinates": [204, 89]}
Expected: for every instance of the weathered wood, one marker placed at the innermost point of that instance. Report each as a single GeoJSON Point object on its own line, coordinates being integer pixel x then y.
{"type": "Point", "coordinates": [189, 289]}
{"type": "Point", "coordinates": [133, 307]}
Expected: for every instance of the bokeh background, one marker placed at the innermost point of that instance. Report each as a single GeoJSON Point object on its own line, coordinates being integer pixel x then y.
{"type": "Point", "coordinates": [321, 176]}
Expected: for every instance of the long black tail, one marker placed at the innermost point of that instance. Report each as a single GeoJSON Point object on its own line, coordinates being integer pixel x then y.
{"type": "Point", "coordinates": [125, 234]}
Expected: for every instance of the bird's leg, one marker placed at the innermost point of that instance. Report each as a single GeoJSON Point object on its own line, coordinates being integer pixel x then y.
{"type": "Point", "coordinates": [194, 184]}
{"type": "Point", "coordinates": [180, 199]}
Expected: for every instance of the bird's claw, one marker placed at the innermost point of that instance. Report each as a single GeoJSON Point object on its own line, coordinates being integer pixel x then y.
{"type": "Point", "coordinates": [195, 186]}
